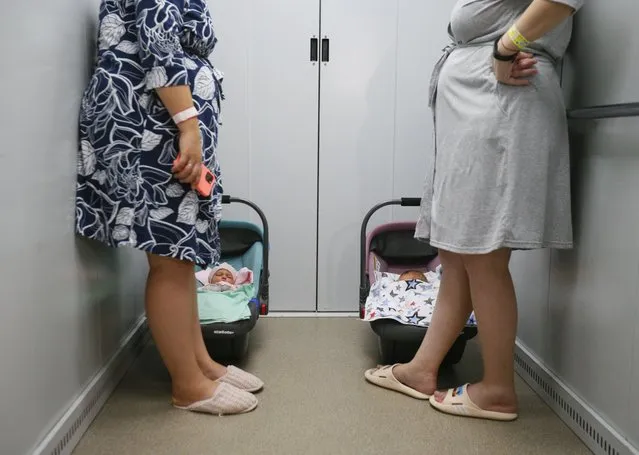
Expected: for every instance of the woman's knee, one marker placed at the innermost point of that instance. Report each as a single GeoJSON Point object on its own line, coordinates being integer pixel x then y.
{"type": "Point", "coordinates": [497, 260]}
{"type": "Point", "coordinates": [169, 265]}
{"type": "Point", "coordinates": [451, 261]}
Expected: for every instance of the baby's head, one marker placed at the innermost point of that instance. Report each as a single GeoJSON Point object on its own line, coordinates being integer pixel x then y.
{"type": "Point", "coordinates": [223, 273]}
{"type": "Point", "coordinates": [412, 275]}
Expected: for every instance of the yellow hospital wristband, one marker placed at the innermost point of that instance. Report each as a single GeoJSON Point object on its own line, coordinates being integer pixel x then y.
{"type": "Point", "coordinates": [517, 38]}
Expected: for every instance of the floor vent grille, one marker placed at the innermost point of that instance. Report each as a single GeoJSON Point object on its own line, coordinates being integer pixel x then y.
{"type": "Point", "coordinates": [66, 434]}
{"type": "Point", "coordinates": [591, 429]}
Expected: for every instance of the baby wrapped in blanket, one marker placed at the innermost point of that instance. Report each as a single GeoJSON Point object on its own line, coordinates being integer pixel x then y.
{"type": "Point", "coordinates": [224, 277]}
{"type": "Point", "coordinates": [408, 298]}
{"type": "Point", "coordinates": [224, 294]}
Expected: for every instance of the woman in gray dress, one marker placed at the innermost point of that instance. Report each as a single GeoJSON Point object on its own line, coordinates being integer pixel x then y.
{"type": "Point", "coordinates": [499, 180]}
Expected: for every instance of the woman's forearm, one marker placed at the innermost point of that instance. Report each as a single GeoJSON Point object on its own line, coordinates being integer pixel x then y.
{"type": "Point", "coordinates": [176, 99]}
{"type": "Point", "coordinates": [540, 17]}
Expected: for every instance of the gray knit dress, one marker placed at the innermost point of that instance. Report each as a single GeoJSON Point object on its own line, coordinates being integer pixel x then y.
{"type": "Point", "coordinates": [500, 173]}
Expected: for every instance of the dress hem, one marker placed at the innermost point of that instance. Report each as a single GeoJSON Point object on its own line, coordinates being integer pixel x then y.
{"type": "Point", "coordinates": [512, 244]}
{"type": "Point", "coordinates": [150, 249]}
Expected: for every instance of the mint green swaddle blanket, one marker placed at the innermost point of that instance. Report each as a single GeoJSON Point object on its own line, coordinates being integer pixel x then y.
{"type": "Point", "coordinates": [224, 306]}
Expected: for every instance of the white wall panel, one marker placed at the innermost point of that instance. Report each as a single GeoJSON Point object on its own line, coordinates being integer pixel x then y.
{"type": "Point", "coordinates": [268, 140]}
{"type": "Point", "coordinates": [357, 111]}
{"type": "Point", "coordinates": [421, 36]}
{"type": "Point", "coordinates": [529, 270]}
{"type": "Point", "coordinates": [606, 34]}
{"type": "Point", "coordinates": [633, 397]}
{"type": "Point", "coordinates": [592, 342]}
{"type": "Point", "coordinates": [593, 291]}
{"type": "Point", "coordinates": [376, 127]}
{"type": "Point", "coordinates": [66, 303]}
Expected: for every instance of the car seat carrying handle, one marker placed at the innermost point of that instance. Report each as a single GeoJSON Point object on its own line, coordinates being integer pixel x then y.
{"type": "Point", "coordinates": [363, 284]}
{"type": "Point", "coordinates": [264, 280]}
{"type": "Point", "coordinates": [411, 201]}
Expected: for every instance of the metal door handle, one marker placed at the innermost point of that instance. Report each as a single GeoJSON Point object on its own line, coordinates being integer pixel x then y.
{"type": "Point", "coordinates": [325, 49]}
{"type": "Point", "coordinates": [314, 49]}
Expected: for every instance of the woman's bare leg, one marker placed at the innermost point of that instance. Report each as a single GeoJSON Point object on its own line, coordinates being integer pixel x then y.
{"type": "Point", "coordinates": [449, 318]}
{"type": "Point", "coordinates": [170, 294]}
{"type": "Point", "coordinates": [495, 304]}
{"type": "Point", "coordinates": [209, 367]}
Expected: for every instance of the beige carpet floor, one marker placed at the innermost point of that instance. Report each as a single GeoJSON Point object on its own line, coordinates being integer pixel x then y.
{"type": "Point", "coordinates": [316, 402]}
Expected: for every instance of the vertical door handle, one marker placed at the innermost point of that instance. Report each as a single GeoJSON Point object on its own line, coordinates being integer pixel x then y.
{"type": "Point", "coordinates": [314, 49]}
{"type": "Point", "coordinates": [325, 49]}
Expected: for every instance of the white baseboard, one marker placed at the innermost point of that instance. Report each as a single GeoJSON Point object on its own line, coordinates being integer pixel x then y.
{"type": "Point", "coordinates": [310, 314]}
{"type": "Point", "coordinates": [596, 433]}
{"type": "Point", "coordinates": [66, 433]}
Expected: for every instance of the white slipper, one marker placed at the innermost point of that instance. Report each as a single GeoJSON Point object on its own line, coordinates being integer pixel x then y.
{"type": "Point", "coordinates": [384, 377]}
{"type": "Point", "coordinates": [457, 402]}
{"type": "Point", "coordinates": [226, 400]}
{"type": "Point", "coordinates": [241, 379]}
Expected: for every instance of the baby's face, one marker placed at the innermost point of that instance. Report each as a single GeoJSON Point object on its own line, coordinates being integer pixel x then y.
{"type": "Point", "coordinates": [223, 276]}
{"type": "Point", "coordinates": [413, 276]}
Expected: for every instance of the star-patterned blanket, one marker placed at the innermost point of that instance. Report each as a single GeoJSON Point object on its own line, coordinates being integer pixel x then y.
{"type": "Point", "coordinates": [409, 302]}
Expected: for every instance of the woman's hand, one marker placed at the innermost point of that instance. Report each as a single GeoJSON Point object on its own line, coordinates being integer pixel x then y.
{"type": "Point", "coordinates": [516, 72]}
{"type": "Point", "coordinates": [524, 66]}
{"type": "Point", "coordinates": [187, 167]}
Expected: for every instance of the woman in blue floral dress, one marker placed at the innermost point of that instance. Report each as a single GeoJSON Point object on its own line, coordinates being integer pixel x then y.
{"type": "Point", "coordinates": [154, 95]}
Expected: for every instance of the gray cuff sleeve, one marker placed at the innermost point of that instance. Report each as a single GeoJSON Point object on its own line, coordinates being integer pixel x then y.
{"type": "Point", "coordinates": [576, 4]}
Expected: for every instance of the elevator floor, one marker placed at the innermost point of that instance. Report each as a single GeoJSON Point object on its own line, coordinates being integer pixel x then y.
{"type": "Point", "coordinates": [316, 402]}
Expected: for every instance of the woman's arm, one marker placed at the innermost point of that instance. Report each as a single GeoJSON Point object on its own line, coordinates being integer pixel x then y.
{"type": "Point", "coordinates": [159, 24]}
{"type": "Point", "coordinates": [177, 99]}
{"type": "Point", "coordinates": [187, 165]}
{"type": "Point", "coordinates": [540, 17]}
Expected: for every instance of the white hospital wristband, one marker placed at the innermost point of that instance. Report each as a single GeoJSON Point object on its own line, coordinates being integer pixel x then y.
{"type": "Point", "coordinates": [184, 115]}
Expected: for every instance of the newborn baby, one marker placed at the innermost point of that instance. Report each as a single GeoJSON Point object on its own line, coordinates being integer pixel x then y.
{"type": "Point", "coordinates": [413, 275]}
{"type": "Point", "coordinates": [224, 277]}
{"type": "Point", "coordinates": [223, 273]}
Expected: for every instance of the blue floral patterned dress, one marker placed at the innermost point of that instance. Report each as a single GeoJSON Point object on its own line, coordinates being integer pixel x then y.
{"type": "Point", "coordinates": [126, 194]}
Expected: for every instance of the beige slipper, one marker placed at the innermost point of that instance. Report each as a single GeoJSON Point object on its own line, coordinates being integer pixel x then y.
{"type": "Point", "coordinates": [383, 376]}
{"type": "Point", "coordinates": [457, 402]}
{"type": "Point", "coordinates": [241, 379]}
{"type": "Point", "coordinates": [226, 400]}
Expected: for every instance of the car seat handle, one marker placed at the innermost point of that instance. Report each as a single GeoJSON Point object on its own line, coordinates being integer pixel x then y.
{"type": "Point", "coordinates": [411, 201]}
